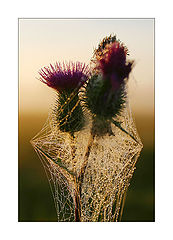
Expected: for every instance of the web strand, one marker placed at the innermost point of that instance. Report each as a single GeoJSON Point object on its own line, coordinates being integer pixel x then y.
{"type": "Point", "coordinates": [107, 172]}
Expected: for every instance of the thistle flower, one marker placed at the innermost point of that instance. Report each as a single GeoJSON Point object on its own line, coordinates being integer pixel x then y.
{"type": "Point", "coordinates": [105, 91]}
{"type": "Point", "coordinates": [113, 64]}
{"type": "Point", "coordinates": [64, 77]}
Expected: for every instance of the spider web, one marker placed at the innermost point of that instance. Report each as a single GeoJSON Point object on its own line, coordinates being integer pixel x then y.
{"type": "Point", "coordinates": [110, 166]}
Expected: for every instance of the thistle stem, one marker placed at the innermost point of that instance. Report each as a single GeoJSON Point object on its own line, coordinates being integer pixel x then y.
{"type": "Point", "coordinates": [79, 181]}
{"type": "Point", "coordinates": [86, 157]}
{"type": "Point", "coordinates": [77, 205]}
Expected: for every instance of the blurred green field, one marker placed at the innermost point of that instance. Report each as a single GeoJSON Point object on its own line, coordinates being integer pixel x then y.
{"type": "Point", "coordinates": [35, 197]}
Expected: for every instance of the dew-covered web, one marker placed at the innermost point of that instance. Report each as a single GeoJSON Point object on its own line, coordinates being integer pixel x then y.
{"type": "Point", "coordinates": [107, 168]}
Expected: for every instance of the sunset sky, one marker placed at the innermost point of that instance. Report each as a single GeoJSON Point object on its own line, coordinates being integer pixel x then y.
{"type": "Point", "coordinates": [45, 41]}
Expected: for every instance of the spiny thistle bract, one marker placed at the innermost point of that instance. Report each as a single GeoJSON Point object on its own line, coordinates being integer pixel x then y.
{"type": "Point", "coordinates": [66, 79]}
{"type": "Point", "coordinates": [106, 89]}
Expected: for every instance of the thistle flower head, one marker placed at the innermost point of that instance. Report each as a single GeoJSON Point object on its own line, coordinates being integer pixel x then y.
{"type": "Point", "coordinates": [106, 90]}
{"type": "Point", "coordinates": [64, 77]}
{"type": "Point", "coordinates": [113, 63]}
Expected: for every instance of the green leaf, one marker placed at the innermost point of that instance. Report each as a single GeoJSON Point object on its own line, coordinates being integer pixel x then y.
{"type": "Point", "coordinates": [117, 124]}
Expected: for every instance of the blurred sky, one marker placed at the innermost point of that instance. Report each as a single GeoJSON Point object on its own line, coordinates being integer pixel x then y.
{"type": "Point", "coordinates": [45, 41]}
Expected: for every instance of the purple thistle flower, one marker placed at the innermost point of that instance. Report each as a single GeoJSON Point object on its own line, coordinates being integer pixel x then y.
{"type": "Point", "coordinates": [66, 76]}
{"type": "Point", "coordinates": [113, 64]}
